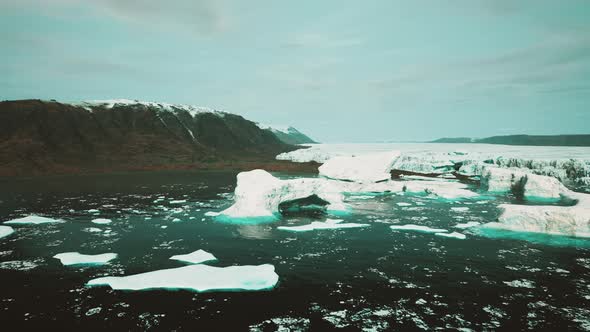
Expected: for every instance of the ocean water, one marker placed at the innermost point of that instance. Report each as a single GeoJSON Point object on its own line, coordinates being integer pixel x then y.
{"type": "Point", "coordinates": [371, 278]}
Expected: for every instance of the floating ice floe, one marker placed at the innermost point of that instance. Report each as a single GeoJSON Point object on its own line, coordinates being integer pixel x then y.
{"type": "Point", "coordinates": [102, 221]}
{"type": "Point", "coordinates": [195, 257]}
{"type": "Point", "coordinates": [467, 225]}
{"type": "Point", "coordinates": [93, 211]}
{"type": "Point", "coordinates": [33, 220]}
{"type": "Point", "coordinates": [403, 204]}
{"type": "Point", "coordinates": [211, 214]}
{"type": "Point", "coordinates": [455, 235]}
{"type": "Point", "coordinates": [5, 231]}
{"type": "Point", "coordinates": [75, 258]}
{"type": "Point", "coordinates": [460, 209]}
{"type": "Point", "coordinates": [417, 228]}
{"type": "Point", "coordinates": [548, 219]}
{"type": "Point", "coordinates": [521, 182]}
{"type": "Point", "coordinates": [178, 201]}
{"type": "Point", "coordinates": [364, 168]}
{"type": "Point", "coordinates": [328, 224]}
{"type": "Point", "coordinates": [199, 278]}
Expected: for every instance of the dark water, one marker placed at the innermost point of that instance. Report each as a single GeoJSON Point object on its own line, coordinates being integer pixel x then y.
{"type": "Point", "coordinates": [368, 278]}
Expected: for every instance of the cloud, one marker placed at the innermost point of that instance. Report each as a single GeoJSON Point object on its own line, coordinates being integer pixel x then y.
{"type": "Point", "coordinates": [553, 60]}
{"type": "Point", "coordinates": [318, 40]}
{"type": "Point", "coordinates": [200, 16]}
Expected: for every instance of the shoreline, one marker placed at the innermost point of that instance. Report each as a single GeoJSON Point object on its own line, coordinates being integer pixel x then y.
{"type": "Point", "coordinates": [238, 166]}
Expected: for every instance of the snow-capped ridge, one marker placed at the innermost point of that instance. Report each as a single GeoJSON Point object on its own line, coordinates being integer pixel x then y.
{"type": "Point", "coordinates": [110, 103]}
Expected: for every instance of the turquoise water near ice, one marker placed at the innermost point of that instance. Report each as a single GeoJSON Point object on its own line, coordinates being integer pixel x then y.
{"type": "Point", "coordinates": [348, 279]}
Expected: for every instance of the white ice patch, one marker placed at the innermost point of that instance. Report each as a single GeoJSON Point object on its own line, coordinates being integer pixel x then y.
{"type": "Point", "coordinates": [328, 224]}
{"type": "Point", "coordinates": [32, 220]}
{"type": "Point", "coordinates": [501, 180]}
{"type": "Point", "coordinates": [258, 193]}
{"type": "Point", "coordinates": [102, 221]}
{"type": "Point", "coordinates": [403, 204]}
{"type": "Point", "coordinates": [199, 278]}
{"type": "Point", "coordinates": [75, 258]}
{"type": "Point", "coordinates": [455, 235]}
{"type": "Point", "coordinates": [548, 219]}
{"type": "Point", "coordinates": [365, 168]}
{"type": "Point", "coordinates": [417, 228]}
{"type": "Point", "coordinates": [178, 201]}
{"type": "Point", "coordinates": [5, 231]}
{"type": "Point", "coordinates": [467, 225]}
{"type": "Point", "coordinates": [211, 214]}
{"type": "Point", "coordinates": [522, 283]}
{"type": "Point", "coordinates": [195, 257]}
{"type": "Point", "coordinates": [460, 209]}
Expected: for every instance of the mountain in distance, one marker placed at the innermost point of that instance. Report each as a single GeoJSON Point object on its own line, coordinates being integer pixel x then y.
{"type": "Point", "coordinates": [48, 137]}
{"type": "Point", "coordinates": [535, 140]}
{"type": "Point", "coordinates": [289, 135]}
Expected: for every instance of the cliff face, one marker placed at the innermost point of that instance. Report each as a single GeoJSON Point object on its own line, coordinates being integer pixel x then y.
{"type": "Point", "coordinates": [41, 137]}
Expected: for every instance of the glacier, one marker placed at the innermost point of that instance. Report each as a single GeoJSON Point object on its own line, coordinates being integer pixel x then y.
{"type": "Point", "coordinates": [570, 165]}
{"type": "Point", "coordinates": [199, 278]}
{"type": "Point", "coordinates": [76, 258]}
{"type": "Point", "coordinates": [195, 257]}
{"type": "Point", "coordinates": [364, 168]}
{"type": "Point", "coordinates": [5, 231]}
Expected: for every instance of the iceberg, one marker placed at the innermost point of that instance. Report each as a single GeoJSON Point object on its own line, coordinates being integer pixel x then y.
{"type": "Point", "coordinates": [521, 183]}
{"type": "Point", "coordinates": [5, 231]}
{"type": "Point", "coordinates": [455, 235]}
{"type": "Point", "coordinates": [76, 258]}
{"type": "Point", "coordinates": [364, 168]}
{"type": "Point", "coordinates": [195, 257]}
{"type": "Point", "coordinates": [418, 228]}
{"type": "Point", "coordinates": [199, 278]}
{"type": "Point", "coordinates": [548, 219]}
{"type": "Point", "coordinates": [258, 194]}
{"type": "Point", "coordinates": [328, 224]}
{"type": "Point", "coordinates": [33, 220]}
{"type": "Point", "coordinates": [101, 221]}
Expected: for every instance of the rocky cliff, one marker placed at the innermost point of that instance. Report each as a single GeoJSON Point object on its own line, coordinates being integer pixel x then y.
{"type": "Point", "coordinates": [48, 137]}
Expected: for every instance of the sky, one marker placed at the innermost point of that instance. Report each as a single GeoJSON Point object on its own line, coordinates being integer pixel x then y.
{"type": "Point", "coordinates": [339, 71]}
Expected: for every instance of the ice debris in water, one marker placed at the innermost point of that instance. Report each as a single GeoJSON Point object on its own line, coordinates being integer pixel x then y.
{"type": "Point", "coordinates": [5, 231]}
{"type": "Point", "coordinates": [102, 221]}
{"type": "Point", "coordinates": [211, 214]}
{"type": "Point", "coordinates": [195, 257]}
{"type": "Point", "coordinates": [455, 235]}
{"type": "Point", "coordinates": [199, 278]}
{"type": "Point", "coordinates": [418, 228]}
{"type": "Point", "coordinates": [178, 201]}
{"type": "Point", "coordinates": [75, 258]}
{"type": "Point", "coordinates": [32, 219]}
{"type": "Point", "coordinates": [522, 283]}
{"type": "Point", "coordinates": [328, 224]}
{"type": "Point", "coordinates": [460, 209]}
{"type": "Point", "coordinates": [467, 224]}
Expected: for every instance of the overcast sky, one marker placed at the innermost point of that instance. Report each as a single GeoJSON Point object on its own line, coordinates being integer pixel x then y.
{"type": "Point", "coordinates": [340, 71]}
